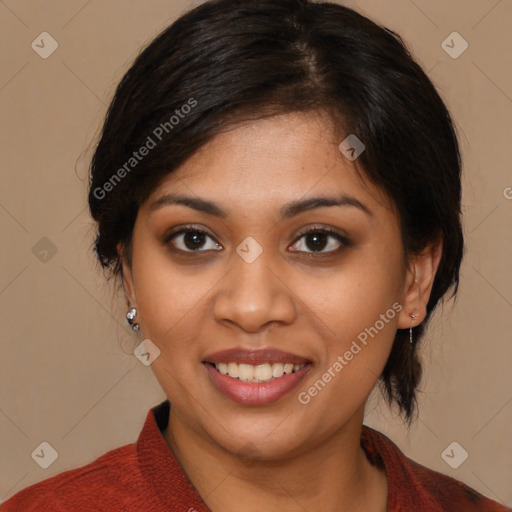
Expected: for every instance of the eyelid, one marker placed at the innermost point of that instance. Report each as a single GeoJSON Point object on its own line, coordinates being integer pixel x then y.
{"type": "Point", "coordinates": [340, 237]}
{"type": "Point", "coordinates": [322, 228]}
{"type": "Point", "coordinates": [182, 230]}
{"type": "Point", "coordinates": [186, 228]}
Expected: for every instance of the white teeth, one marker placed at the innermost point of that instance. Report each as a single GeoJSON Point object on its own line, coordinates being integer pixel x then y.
{"type": "Point", "coordinates": [277, 370]}
{"type": "Point", "coordinates": [233, 370]}
{"type": "Point", "coordinates": [263, 372]}
{"type": "Point", "coordinates": [245, 372]}
{"type": "Point", "coordinates": [257, 373]}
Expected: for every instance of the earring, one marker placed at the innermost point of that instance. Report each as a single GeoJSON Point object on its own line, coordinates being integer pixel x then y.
{"type": "Point", "coordinates": [130, 315]}
{"type": "Point", "coordinates": [413, 316]}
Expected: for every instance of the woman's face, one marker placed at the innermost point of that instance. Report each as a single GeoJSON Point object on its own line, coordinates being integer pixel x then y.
{"type": "Point", "coordinates": [255, 282]}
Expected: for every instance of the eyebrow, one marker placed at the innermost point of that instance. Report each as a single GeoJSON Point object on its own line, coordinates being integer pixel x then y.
{"type": "Point", "coordinates": [287, 211]}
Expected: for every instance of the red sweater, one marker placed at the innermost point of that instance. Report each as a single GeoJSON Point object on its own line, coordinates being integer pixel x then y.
{"type": "Point", "coordinates": [146, 477]}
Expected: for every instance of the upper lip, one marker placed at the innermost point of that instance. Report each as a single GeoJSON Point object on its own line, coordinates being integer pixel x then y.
{"type": "Point", "coordinates": [255, 357]}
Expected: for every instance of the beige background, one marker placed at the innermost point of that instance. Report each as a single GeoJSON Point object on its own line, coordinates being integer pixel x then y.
{"type": "Point", "coordinates": [67, 375]}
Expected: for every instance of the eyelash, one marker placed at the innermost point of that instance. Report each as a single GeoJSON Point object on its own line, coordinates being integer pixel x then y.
{"type": "Point", "coordinates": [344, 241]}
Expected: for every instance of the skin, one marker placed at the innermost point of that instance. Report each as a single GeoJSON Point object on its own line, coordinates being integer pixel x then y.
{"type": "Point", "coordinates": [296, 457]}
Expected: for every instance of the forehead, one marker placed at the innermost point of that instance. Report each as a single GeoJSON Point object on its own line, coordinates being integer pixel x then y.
{"type": "Point", "coordinates": [271, 161]}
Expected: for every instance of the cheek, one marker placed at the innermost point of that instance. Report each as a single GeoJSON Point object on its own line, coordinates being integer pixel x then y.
{"type": "Point", "coordinates": [354, 312]}
{"type": "Point", "coordinates": [169, 296]}
{"type": "Point", "coordinates": [352, 298]}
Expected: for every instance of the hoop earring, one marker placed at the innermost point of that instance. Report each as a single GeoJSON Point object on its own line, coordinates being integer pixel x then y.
{"type": "Point", "coordinates": [130, 316]}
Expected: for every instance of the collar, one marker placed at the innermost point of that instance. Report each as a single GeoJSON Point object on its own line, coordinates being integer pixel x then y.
{"type": "Point", "coordinates": [163, 473]}
{"type": "Point", "coordinates": [159, 466]}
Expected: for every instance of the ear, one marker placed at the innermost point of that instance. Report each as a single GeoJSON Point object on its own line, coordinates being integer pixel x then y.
{"type": "Point", "coordinates": [127, 275]}
{"type": "Point", "coordinates": [418, 284]}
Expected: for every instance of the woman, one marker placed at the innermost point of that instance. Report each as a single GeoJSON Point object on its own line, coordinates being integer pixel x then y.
{"type": "Point", "coordinates": [277, 186]}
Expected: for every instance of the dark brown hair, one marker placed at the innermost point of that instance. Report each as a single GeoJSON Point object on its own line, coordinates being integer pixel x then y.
{"type": "Point", "coordinates": [228, 61]}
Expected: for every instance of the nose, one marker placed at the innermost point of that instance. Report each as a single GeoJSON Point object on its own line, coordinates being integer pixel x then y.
{"type": "Point", "coordinates": [253, 297]}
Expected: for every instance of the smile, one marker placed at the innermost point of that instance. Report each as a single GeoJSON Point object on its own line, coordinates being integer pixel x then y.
{"type": "Point", "coordinates": [257, 373]}
{"type": "Point", "coordinates": [256, 392]}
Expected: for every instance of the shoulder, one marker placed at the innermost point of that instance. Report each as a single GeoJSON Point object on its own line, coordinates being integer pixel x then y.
{"type": "Point", "coordinates": [449, 493]}
{"type": "Point", "coordinates": [416, 487]}
{"type": "Point", "coordinates": [102, 480]}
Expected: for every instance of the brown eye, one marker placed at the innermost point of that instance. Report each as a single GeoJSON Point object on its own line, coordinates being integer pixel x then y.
{"type": "Point", "coordinates": [190, 240]}
{"type": "Point", "coordinates": [317, 240]}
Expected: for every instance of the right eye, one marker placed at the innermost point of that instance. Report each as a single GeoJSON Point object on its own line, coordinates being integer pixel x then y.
{"type": "Point", "coordinates": [192, 240]}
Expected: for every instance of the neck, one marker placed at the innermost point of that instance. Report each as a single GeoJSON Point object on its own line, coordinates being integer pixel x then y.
{"type": "Point", "coordinates": [333, 475]}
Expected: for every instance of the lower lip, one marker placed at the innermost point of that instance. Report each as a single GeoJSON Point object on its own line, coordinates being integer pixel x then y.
{"type": "Point", "coordinates": [255, 393]}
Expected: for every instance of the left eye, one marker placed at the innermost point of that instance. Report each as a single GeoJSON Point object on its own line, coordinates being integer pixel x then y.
{"type": "Point", "coordinates": [318, 239]}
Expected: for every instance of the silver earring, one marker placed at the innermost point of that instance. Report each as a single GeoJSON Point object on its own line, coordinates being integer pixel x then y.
{"type": "Point", "coordinates": [413, 316]}
{"type": "Point", "coordinates": [130, 316]}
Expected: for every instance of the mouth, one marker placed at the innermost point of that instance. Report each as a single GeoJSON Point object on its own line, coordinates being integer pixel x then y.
{"type": "Point", "coordinates": [255, 377]}
{"type": "Point", "coordinates": [265, 372]}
